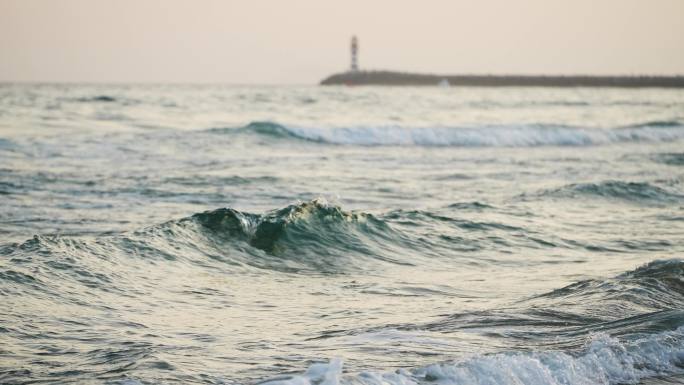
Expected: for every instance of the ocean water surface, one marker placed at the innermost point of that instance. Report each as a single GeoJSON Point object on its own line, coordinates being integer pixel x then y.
{"type": "Point", "coordinates": [168, 234]}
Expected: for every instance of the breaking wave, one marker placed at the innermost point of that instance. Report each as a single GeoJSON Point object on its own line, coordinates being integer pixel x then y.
{"type": "Point", "coordinates": [311, 236]}
{"type": "Point", "coordinates": [315, 234]}
{"type": "Point", "coordinates": [486, 136]}
{"type": "Point", "coordinates": [619, 345]}
{"type": "Point", "coordinates": [605, 360]}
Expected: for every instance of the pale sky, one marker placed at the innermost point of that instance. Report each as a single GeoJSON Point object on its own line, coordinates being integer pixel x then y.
{"type": "Point", "coordinates": [302, 41]}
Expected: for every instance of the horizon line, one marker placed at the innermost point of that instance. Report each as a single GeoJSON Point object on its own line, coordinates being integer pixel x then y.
{"type": "Point", "coordinates": [231, 83]}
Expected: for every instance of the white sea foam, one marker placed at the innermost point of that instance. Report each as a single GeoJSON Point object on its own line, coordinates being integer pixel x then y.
{"type": "Point", "coordinates": [319, 374]}
{"type": "Point", "coordinates": [486, 136]}
{"type": "Point", "coordinates": [606, 360]}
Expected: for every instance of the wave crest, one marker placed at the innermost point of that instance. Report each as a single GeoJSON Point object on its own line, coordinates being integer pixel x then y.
{"type": "Point", "coordinates": [269, 231]}
{"type": "Point", "coordinates": [314, 234]}
{"type": "Point", "coordinates": [526, 135]}
{"type": "Point", "coordinates": [274, 130]}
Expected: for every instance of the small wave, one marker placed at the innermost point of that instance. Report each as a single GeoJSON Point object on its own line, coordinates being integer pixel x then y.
{"type": "Point", "coordinates": [646, 300]}
{"type": "Point", "coordinates": [213, 180]}
{"type": "Point", "coordinates": [475, 206]}
{"type": "Point", "coordinates": [266, 129]}
{"type": "Point", "coordinates": [605, 360]}
{"type": "Point", "coordinates": [16, 276]}
{"type": "Point", "coordinates": [656, 286]}
{"type": "Point", "coordinates": [638, 192]}
{"type": "Point", "coordinates": [405, 216]}
{"type": "Point", "coordinates": [270, 129]}
{"type": "Point", "coordinates": [672, 159]}
{"type": "Point", "coordinates": [311, 237]}
{"type": "Point", "coordinates": [97, 99]}
{"type": "Point", "coordinates": [484, 136]}
{"type": "Point", "coordinates": [672, 268]}
{"type": "Point", "coordinates": [656, 123]}
{"type": "Point", "coordinates": [311, 234]}
{"type": "Point", "coordinates": [6, 144]}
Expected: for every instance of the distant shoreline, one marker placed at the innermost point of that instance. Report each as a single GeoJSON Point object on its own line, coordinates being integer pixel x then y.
{"type": "Point", "coordinates": [393, 78]}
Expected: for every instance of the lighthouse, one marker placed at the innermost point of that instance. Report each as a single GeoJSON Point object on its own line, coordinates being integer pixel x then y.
{"type": "Point", "coordinates": [354, 54]}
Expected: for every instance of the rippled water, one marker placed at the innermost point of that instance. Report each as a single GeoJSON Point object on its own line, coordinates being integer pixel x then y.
{"type": "Point", "coordinates": [325, 235]}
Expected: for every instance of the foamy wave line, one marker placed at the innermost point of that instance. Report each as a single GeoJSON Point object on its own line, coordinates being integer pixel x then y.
{"type": "Point", "coordinates": [485, 136]}
{"type": "Point", "coordinates": [606, 360]}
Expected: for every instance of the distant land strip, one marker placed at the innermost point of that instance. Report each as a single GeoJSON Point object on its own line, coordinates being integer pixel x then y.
{"type": "Point", "coordinates": [392, 78]}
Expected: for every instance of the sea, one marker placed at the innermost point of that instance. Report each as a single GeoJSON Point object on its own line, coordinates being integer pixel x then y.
{"type": "Point", "coordinates": [310, 235]}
